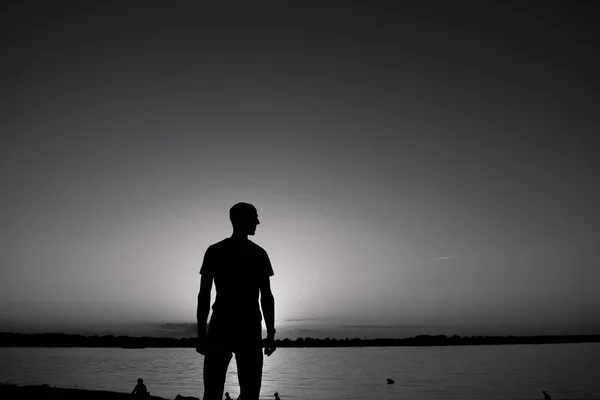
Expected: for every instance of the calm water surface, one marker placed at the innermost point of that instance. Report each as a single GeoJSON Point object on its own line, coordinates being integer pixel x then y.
{"type": "Point", "coordinates": [566, 371]}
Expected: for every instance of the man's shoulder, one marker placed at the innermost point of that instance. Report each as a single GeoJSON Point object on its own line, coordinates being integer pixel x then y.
{"type": "Point", "coordinates": [228, 244]}
{"type": "Point", "coordinates": [218, 245]}
{"type": "Point", "coordinates": [257, 247]}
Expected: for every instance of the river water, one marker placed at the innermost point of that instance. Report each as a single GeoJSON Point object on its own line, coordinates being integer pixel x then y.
{"type": "Point", "coordinates": [566, 371]}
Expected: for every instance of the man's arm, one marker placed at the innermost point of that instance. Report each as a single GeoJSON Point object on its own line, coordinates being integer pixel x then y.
{"type": "Point", "coordinates": [267, 303]}
{"type": "Point", "coordinates": [203, 310]}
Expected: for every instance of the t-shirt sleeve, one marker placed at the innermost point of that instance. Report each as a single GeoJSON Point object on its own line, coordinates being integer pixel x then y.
{"type": "Point", "coordinates": [208, 264]}
{"type": "Point", "coordinates": [268, 268]}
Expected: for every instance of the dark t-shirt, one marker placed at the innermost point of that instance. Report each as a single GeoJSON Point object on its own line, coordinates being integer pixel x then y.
{"type": "Point", "coordinates": [238, 267]}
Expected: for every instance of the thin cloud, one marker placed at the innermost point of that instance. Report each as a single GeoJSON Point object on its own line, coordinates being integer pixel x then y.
{"type": "Point", "coordinates": [441, 258]}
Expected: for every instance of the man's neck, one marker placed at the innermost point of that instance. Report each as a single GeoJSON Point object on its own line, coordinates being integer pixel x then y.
{"type": "Point", "coordinates": [237, 235]}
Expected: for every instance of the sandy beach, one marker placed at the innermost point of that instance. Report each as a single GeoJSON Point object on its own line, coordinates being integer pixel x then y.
{"type": "Point", "coordinates": [41, 392]}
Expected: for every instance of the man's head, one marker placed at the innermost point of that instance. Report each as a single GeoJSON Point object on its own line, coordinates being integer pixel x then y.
{"type": "Point", "coordinates": [244, 218]}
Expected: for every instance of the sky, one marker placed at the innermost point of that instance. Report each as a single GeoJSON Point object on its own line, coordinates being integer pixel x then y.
{"type": "Point", "coordinates": [418, 168]}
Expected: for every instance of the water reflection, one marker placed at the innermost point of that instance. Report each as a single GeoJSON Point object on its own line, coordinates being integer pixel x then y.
{"type": "Point", "coordinates": [426, 373]}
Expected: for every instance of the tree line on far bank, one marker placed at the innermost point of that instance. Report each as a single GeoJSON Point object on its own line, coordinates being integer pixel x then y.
{"type": "Point", "coordinates": [10, 339]}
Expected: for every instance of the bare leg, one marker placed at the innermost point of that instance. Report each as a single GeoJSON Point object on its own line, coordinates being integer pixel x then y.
{"type": "Point", "coordinates": [250, 365]}
{"type": "Point", "coordinates": [215, 372]}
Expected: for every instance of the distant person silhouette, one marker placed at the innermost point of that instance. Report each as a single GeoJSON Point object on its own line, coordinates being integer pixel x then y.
{"type": "Point", "coordinates": [227, 396]}
{"type": "Point", "coordinates": [140, 388]}
{"type": "Point", "coordinates": [240, 270]}
{"type": "Point", "coordinates": [276, 396]}
{"type": "Point", "coordinates": [546, 395]}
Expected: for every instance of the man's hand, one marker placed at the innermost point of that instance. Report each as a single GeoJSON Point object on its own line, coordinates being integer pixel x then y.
{"type": "Point", "coordinates": [201, 345]}
{"type": "Point", "coordinates": [270, 344]}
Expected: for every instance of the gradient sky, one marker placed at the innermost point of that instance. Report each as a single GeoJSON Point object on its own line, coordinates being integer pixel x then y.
{"type": "Point", "coordinates": [412, 166]}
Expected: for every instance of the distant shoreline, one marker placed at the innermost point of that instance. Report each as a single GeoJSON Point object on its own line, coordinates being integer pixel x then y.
{"type": "Point", "coordinates": [11, 339]}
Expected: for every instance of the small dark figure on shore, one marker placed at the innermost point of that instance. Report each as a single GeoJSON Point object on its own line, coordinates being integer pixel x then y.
{"type": "Point", "coordinates": [390, 381]}
{"type": "Point", "coordinates": [140, 388]}
{"type": "Point", "coordinates": [276, 396]}
{"type": "Point", "coordinates": [546, 395]}
{"type": "Point", "coordinates": [227, 396]}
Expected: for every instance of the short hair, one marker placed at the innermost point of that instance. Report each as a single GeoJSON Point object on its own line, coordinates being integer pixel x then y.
{"type": "Point", "coordinates": [240, 212]}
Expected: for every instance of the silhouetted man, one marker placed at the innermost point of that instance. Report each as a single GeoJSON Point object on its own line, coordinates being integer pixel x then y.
{"type": "Point", "coordinates": [241, 271]}
{"type": "Point", "coordinates": [140, 388]}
